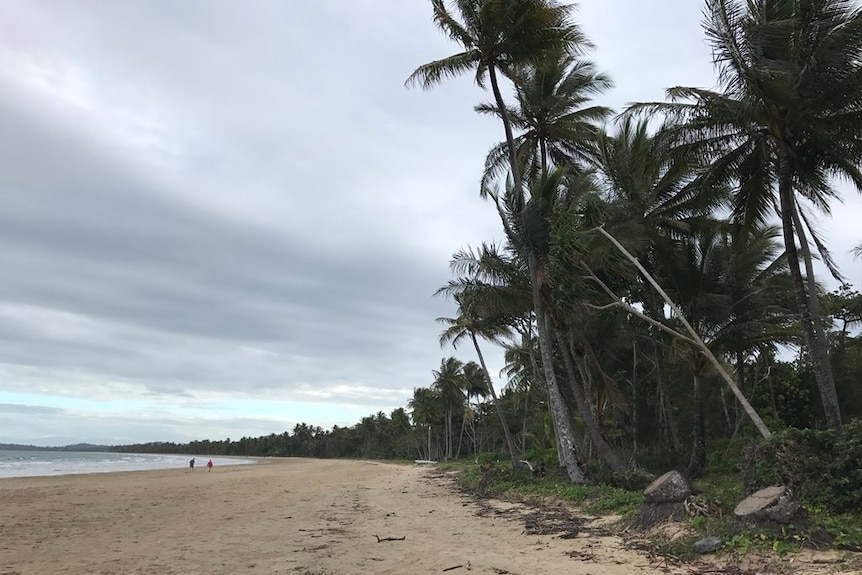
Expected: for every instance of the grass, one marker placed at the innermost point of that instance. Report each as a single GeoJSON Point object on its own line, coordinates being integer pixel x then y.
{"type": "Point", "coordinates": [500, 480]}
{"type": "Point", "coordinates": [717, 494]}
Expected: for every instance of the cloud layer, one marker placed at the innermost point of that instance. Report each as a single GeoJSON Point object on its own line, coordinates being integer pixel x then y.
{"type": "Point", "coordinates": [220, 219]}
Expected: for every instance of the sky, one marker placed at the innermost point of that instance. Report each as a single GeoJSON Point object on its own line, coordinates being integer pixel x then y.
{"type": "Point", "coordinates": [222, 218]}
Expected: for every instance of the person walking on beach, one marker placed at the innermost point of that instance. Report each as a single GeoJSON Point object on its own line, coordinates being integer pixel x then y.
{"type": "Point", "coordinates": [192, 464]}
{"type": "Point", "coordinates": [209, 465]}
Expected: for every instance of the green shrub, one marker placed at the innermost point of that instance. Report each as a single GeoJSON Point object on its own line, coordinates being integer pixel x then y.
{"type": "Point", "coordinates": [491, 457]}
{"type": "Point", "coordinates": [630, 479]}
{"type": "Point", "coordinates": [546, 456]}
{"type": "Point", "coordinates": [822, 468]}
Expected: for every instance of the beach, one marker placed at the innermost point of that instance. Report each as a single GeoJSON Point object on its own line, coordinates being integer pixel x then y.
{"type": "Point", "coordinates": [295, 516]}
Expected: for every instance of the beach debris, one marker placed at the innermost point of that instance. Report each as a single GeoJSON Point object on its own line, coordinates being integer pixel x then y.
{"type": "Point", "coordinates": [382, 539]}
{"type": "Point", "coordinates": [453, 568]}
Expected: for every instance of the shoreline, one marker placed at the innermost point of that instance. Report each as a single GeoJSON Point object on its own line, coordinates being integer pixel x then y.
{"type": "Point", "coordinates": [20, 463]}
{"type": "Point", "coordinates": [296, 516]}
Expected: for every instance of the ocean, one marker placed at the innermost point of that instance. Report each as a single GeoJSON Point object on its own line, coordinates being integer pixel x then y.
{"type": "Point", "coordinates": [40, 463]}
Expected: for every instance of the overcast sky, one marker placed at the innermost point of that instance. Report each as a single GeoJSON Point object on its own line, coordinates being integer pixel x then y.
{"type": "Point", "coordinates": [221, 218]}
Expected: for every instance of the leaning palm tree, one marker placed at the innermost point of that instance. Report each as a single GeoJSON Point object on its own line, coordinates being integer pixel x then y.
{"type": "Point", "coordinates": [783, 123]}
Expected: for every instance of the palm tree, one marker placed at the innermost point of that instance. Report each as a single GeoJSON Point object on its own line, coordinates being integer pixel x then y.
{"type": "Point", "coordinates": [498, 35]}
{"type": "Point", "coordinates": [785, 120]}
{"type": "Point", "coordinates": [506, 35]}
{"type": "Point", "coordinates": [557, 123]}
{"type": "Point", "coordinates": [469, 324]}
{"type": "Point", "coordinates": [425, 411]}
{"type": "Point", "coordinates": [449, 383]}
{"type": "Point", "coordinates": [695, 279]}
{"type": "Point", "coordinates": [528, 227]}
{"type": "Point", "coordinates": [475, 386]}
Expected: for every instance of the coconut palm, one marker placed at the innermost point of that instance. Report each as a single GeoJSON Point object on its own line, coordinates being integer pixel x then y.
{"type": "Point", "coordinates": [425, 411]}
{"type": "Point", "coordinates": [558, 124]}
{"type": "Point", "coordinates": [505, 35]}
{"type": "Point", "coordinates": [498, 36]}
{"type": "Point", "coordinates": [449, 384]}
{"type": "Point", "coordinates": [783, 123]}
{"type": "Point", "coordinates": [528, 227]}
{"type": "Point", "coordinates": [468, 323]}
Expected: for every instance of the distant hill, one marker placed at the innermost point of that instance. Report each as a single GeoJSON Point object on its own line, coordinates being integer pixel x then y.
{"type": "Point", "coordinates": [74, 447]}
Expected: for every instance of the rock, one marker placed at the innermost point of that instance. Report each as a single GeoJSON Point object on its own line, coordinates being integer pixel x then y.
{"type": "Point", "coordinates": [708, 544]}
{"type": "Point", "coordinates": [669, 488]}
{"type": "Point", "coordinates": [757, 502]}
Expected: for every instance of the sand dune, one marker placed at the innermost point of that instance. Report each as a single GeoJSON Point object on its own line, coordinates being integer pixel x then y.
{"type": "Point", "coordinates": [296, 517]}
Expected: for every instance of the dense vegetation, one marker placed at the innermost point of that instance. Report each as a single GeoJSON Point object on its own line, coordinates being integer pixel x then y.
{"type": "Point", "coordinates": [656, 292]}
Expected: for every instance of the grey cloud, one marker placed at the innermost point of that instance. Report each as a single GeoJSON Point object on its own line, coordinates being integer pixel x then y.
{"type": "Point", "coordinates": [210, 198]}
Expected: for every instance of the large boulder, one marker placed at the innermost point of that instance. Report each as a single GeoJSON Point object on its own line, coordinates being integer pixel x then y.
{"type": "Point", "coordinates": [671, 487]}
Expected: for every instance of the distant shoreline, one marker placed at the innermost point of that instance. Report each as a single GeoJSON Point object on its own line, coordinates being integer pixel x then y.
{"type": "Point", "coordinates": [49, 463]}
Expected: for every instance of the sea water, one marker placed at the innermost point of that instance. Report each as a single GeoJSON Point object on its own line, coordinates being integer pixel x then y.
{"type": "Point", "coordinates": [38, 463]}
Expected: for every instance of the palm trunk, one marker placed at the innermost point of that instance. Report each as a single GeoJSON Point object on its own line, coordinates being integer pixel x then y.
{"type": "Point", "coordinates": [806, 299]}
{"type": "Point", "coordinates": [510, 442]}
{"type": "Point", "coordinates": [559, 415]}
{"type": "Point", "coordinates": [697, 464]}
{"type": "Point", "coordinates": [543, 150]}
{"type": "Point", "coordinates": [507, 128]}
{"type": "Point", "coordinates": [634, 399]}
{"type": "Point", "coordinates": [537, 379]}
{"type": "Point", "coordinates": [461, 438]}
{"type": "Point", "coordinates": [606, 453]}
{"type": "Point", "coordinates": [559, 412]}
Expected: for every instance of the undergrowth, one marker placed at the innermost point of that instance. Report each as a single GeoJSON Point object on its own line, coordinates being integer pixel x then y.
{"type": "Point", "coordinates": [716, 495]}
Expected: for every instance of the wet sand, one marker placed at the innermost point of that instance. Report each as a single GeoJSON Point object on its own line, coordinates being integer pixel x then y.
{"type": "Point", "coordinates": [295, 516]}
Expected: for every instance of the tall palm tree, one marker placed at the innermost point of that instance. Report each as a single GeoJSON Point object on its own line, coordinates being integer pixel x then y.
{"type": "Point", "coordinates": [505, 35]}
{"type": "Point", "coordinates": [498, 36]}
{"type": "Point", "coordinates": [528, 228]}
{"type": "Point", "coordinates": [783, 123]}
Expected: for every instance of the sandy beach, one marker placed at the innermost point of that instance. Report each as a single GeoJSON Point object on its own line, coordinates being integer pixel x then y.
{"type": "Point", "coordinates": [298, 517]}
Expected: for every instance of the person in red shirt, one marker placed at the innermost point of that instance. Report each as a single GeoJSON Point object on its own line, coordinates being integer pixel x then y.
{"type": "Point", "coordinates": [209, 465]}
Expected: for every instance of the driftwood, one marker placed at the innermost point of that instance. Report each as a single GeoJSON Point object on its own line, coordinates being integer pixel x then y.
{"type": "Point", "coordinates": [453, 568]}
{"type": "Point", "coordinates": [382, 539]}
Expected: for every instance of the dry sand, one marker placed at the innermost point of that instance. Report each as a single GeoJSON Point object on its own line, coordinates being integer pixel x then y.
{"type": "Point", "coordinates": [300, 517]}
